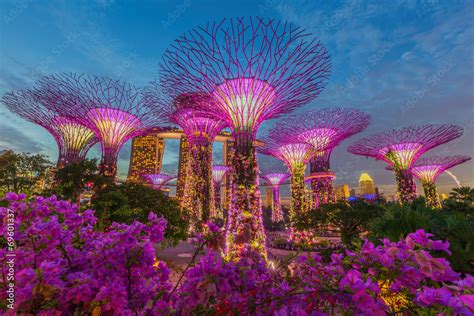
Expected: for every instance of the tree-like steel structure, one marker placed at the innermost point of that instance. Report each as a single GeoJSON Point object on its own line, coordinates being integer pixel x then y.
{"type": "Point", "coordinates": [113, 109]}
{"type": "Point", "coordinates": [295, 155]}
{"type": "Point", "coordinates": [324, 130]}
{"type": "Point", "coordinates": [255, 69]}
{"type": "Point", "coordinates": [400, 148]}
{"type": "Point", "coordinates": [201, 128]}
{"type": "Point", "coordinates": [73, 139]}
{"type": "Point", "coordinates": [275, 180]}
{"type": "Point", "coordinates": [158, 180]}
{"type": "Point", "coordinates": [428, 169]}
{"type": "Point", "coordinates": [218, 174]}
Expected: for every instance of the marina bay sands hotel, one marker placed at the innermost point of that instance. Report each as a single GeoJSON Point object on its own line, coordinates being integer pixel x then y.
{"type": "Point", "coordinates": [147, 157]}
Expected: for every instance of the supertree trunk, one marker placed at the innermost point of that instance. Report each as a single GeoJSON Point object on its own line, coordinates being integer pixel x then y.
{"type": "Point", "coordinates": [431, 194]}
{"type": "Point", "coordinates": [405, 185]}
{"type": "Point", "coordinates": [217, 201]}
{"type": "Point", "coordinates": [323, 191]}
{"type": "Point", "coordinates": [199, 193]}
{"type": "Point", "coordinates": [245, 225]}
{"type": "Point", "coordinates": [108, 163]}
{"type": "Point", "coordinates": [277, 215]}
{"type": "Point", "coordinates": [297, 191]}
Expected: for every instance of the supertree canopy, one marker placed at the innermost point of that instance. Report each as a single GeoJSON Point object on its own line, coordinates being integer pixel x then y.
{"type": "Point", "coordinates": [218, 174]}
{"type": "Point", "coordinates": [428, 169]}
{"type": "Point", "coordinates": [295, 156]}
{"type": "Point", "coordinates": [324, 130]}
{"type": "Point", "coordinates": [401, 148]}
{"type": "Point", "coordinates": [111, 108]}
{"type": "Point", "coordinates": [158, 180]}
{"type": "Point", "coordinates": [275, 180]}
{"type": "Point", "coordinates": [73, 139]}
{"type": "Point", "coordinates": [255, 69]}
{"type": "Point", "coordinates": [201, 128]}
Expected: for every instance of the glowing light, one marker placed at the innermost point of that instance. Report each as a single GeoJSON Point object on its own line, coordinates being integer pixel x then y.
{"type": "Point", "coordinates": [320, 138]}
{"type": "Point", "coordinates": [159, 180]}
{"type": "Point", "coordinates": [427, 173]}
{"type": "Point", "coordinates": [276, 179]}
{"type": "Point", "coordinates": [114, 126]}
{"type": "Point", "coordinates": [402, 155]}
{"type": "Point", "coordinates": [75, 136]}
{"type": "Point", "coordinates": [218, 173]}
{"type": "Point", "coordinates": [295, 154]}
{"type": "Point", "coordinates": [245, 100]}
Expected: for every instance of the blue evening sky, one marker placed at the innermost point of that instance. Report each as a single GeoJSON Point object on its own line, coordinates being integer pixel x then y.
{"type": "Point", "coordinates": [405, 62]}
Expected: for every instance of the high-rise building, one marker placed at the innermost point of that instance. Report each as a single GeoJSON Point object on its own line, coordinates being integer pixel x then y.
{"type": "Point", "coordinates": [146, 156]}
{"type": "Point", "coordinates": [182, 167]}
{"type": "Point", "coordinates": [342, 192]}
{"type": "Point", "coordinates": [366, 184]}
{"type": "Point", "coordinates": [227, 152]}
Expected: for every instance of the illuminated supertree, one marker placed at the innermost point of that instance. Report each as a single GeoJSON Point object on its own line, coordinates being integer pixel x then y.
{"type": "Point", "coordinates": [112, 109]}
{"type": "Point", "coordinates": [401, 148]}
{"type": "Point", "coordinates": [201, 128]}
{"type": "Point", "coordinates": [218, 174]}
{"type": "Point", "coordinates": [275, 180]}
{"type": "Point", "coordinates": [255, 69]}
{"type": "Point", "coordinates": [73, 139]}
{"type": "Point", "coordinates": [158, 180]}
{"type": "Point", "coordinates": [295, 156]}
{"type": "Point", "coordinates": [428, 169]}
{"type": "Point", "coordinates": [324, 130]}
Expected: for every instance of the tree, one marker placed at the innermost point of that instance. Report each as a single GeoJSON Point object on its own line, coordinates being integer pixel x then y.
{"type": "Point", "coordinates": [462, 194]}
{"type": "Point", "coordinates": [350, 219]}
{"type": "Point", "coordinates": [25, 172]}
{"type": "Point", "coordinates": [73, 179]}
{"type": "Point", "coordinates": [131, 201]}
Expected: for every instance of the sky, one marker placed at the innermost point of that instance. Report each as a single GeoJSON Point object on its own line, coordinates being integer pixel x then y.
{"type": "Point", "coordinates": [404, 62]}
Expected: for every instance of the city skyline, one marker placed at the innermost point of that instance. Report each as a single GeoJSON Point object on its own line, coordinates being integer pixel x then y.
{"type": "Point", "coordinates": [388, 76]}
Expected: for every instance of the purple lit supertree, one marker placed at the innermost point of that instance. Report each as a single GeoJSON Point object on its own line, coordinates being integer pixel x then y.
{"type": "Point", "coordinates": [428, 169]}
{"type": "Point", "coordinates": [158, 180]}
{"type": "Point", "coordinates": [218, 174]}
{"type": "Point", "coordinates": [295, 156]}
{"type": "Point", "coordinates": [275, 180]}
{"type": "Point", "coordinates": [324, 130]}
{"type": "Point", "coordinates": [255, 69]}
{"type": "Point", "coordinates": [400, 148]}
{"type": "Point", "coordinates": [112, 109]}
{"type": "Point", "coordinates": [201, 128]}
{"type": "Point", "coordinates": [73, 139]}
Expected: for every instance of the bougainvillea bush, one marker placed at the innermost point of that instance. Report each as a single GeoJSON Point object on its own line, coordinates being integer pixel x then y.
{"type": "Point", "coordinates": [65, 267]}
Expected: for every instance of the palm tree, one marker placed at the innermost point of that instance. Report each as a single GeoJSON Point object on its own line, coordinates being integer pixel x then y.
{"type": "Point", "coordinates": [462, 194]}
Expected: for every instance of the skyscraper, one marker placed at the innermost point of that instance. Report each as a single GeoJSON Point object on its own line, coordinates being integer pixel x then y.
{"type": "Point", "coordinates": [366, 184]}
{"type": "Point", "coordinates": [146, 156]}
{"type": "Point", "coordinates": [342, 192]}
{"type": "Point", "coordinates": [182, 167]}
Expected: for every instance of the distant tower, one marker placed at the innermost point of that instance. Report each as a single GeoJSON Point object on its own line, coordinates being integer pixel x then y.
{"type": "Point", "coordinates": [146, 156]}
{"type": "Point", "coordinates": [342, 192]}
{"type": "Point", "coordinates": [182, 167]}
{"type": "Point", "coordinates": [366, 184]}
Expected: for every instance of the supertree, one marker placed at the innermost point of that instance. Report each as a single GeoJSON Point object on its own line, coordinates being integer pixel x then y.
{"type": "Point", "coordinates": [324, 130]}
{"type": "Point", "coordinates": [255, 69]}
{"type": "Point", "coordinates": [295, 155]}
{"type": "Point", "coordinates": [400, 148]}
{"type": "Point", "coordinates": [73, 139]}
{"type": "Point", "coordinates": [428, 169]}
{"type": "Point", "coordinates": [112, 109]}
{"type": "Point", "coordinates": [201, 128]}
{"type": "Point", "coordinates": [218, 174]}
{"type": "Point", "coordinates": [275, 180]}
{"type": "Point", "coordinates": [158, 180]}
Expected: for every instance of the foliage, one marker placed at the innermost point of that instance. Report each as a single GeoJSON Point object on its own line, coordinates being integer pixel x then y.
{"type": "Point", "coordinates": [71, 180]}
{"type": "Point", "coordinates": [64, 266]}
{"type": "Point", "coordinates": [26, 173]}
{"type": "Point", "coordinates": [131, 201]}
{"type": "Point", "coordinates": [463, 194]}
{"type": "Point", "coordinates": [350, 219]}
